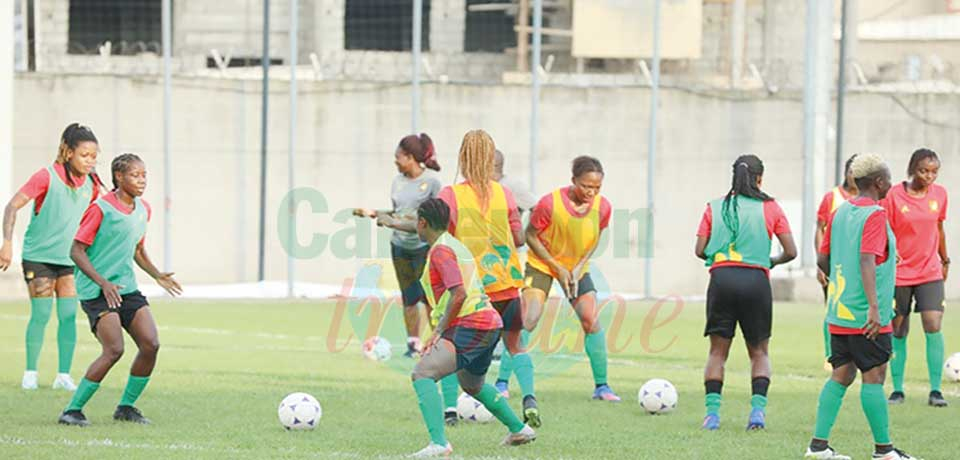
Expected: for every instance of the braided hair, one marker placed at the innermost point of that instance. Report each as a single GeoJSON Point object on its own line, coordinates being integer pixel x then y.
{"type": "Point", "coordinates": [435, 212]}
{"type": "Point", "coordinates": [121, 164]}
{"type": "Point", "coordinates": [746, 170]}
{"type": "Point", "coordinates": [476, 162]}
{"type": "Point", "coordinates": [918, 156]}
{"type": "Point", "coordinates": [421, 149]}
{"type": "Point", "coordinates": [72, 136]}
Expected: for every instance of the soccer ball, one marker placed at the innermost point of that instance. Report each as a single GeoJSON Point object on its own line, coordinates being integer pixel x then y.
{"type": "Point", "coordinates": [299, 411]}
{"type": "Point", "coordinates": [377, 349]}
{"type": "Point", "coordinates": [472, 410]}
{"type": "Point", "coordinates": [658, 396]}
{"type": "Point", "coordinates": [951, 370]}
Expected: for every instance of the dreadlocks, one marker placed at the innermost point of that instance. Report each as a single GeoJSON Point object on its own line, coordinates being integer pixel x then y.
{"type": "Point", "coordinates": [476, 162]}
{"type": "Point", "coordinates": [746, 170]}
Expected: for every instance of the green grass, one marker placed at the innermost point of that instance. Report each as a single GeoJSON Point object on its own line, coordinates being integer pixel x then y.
{"type": "Point", "coordinates": [224, 366]}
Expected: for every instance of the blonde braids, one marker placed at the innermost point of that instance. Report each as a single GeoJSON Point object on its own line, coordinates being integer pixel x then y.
{"type": "Point", "coordinates": [476, 162]}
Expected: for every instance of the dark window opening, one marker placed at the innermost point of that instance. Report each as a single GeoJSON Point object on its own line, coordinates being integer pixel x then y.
{"type": "Point", "coordinates": [131, 26]}
{"type": "Point", "coordinates": [384, 25]}
{"type": "Point", "coordinates": [491, 30]}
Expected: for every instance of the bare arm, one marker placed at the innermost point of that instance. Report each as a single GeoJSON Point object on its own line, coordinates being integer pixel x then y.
{"type": "Point", "coordinates": [868, 272]}
{"type": "Point", "coordinates": [535, 245]}
{"type": "Point", "coordinates": [942, 250]}
{"type": "Point", "coordinates": [700, 249]}
{"type": "Point", "coordinates": [165, 280]}
{"type": "Point", "coordinates": [10, 214]}
{"type": "Point", "coordinates": [111, 292]}
{"type": "Point", "coordinates": [818, 236]}
{"type": "Point", "coordinates": [823, 263]}
{"type": "Point", "coordinates": [458, 295]}
{"type": "Point", "coordinates": [789, 250]}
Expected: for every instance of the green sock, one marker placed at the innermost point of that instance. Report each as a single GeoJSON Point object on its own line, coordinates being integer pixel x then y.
{"type": "Point", "coordinates": [826, 339]}
{"type": "Point", "coordinates": [828, 407]}
{"type": "Point", "coordinates": [506, 366]}
{"type": "Point", "coordinates": [935, 359]}
{"type": "Point", "coordinates": [523, 367]}
{"type": "Point", "coordinates": [712, 402]}
{"type": "Point", "coordinates": [135, 386]}
{"type": "Point", "coordinates": [40, 308]}
{"type": "Point", "coordinates": [898, 362]}
{"type": "Point", "coordinates": [497, 405]}
{"type": "Point", "coordinates": [451, 390]}
{"type": "Point", "coordinates": [66, 331]}
{"type": "Point", "coordinates": [875, 407]}
{"type": "Point", "coordinates": [758, 402]}
{"type": "Point", "coordinates": [85, 390]}
{"type": "Point", "coordinates": [596, 347]}
{"type": "Point", "coordinates": [429, 398]}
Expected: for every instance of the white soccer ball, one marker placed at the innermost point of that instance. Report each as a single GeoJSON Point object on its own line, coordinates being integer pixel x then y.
{"type": "Point", "coordinates": [658, 396]}
{"type": "Point", "coordinates": [472, 410]}
{"type": "Point", "coordinates": [951, 370]}
{"type": "Point", "coordinates": [299, 411]}
{"type": "Point", "coordinates": [377, 349]}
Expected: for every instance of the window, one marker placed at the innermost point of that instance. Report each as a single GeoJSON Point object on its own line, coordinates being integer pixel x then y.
{"type": "Point", "coordinates": [489, 30]}
{"type": "Point", "coordinates": [131, 26]}
{"type": "Point", "coordinates": [384, 25]}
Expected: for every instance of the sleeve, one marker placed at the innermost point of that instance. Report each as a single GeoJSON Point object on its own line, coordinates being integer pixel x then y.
{"type": "Point", "coordinates": [943, 206]}
{"type": "Point", "coordinates": [89, 225]}
{"type": "Point", "coordinates": [446, 194]}
{"type": "Point", "coordinates": [435, 187]}
{"type": "Point", "coordinates": [444, 261]}
{"type": "Point", "coordinates": [706, 222]}
{"type": "Point", "coordinates": [874, 240]}
{"type": "Point", "coordinates": [37, 185]}
{"type": "Point", "coordinates": [513, 213]}
{"type": "Point", "coordinates": [777, 223]}
{"type": "Point", "coordinates": [542, 213]}
{"type": "Point", "coordinates": [823, 212]}
{"type": "Point", "coordinates": [606, 210]}
{"type": "Point", "coordinates": [825, 244]}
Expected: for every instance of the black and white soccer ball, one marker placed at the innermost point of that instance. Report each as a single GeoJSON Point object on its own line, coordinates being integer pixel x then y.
{"type": "Point", "coordinates": [658, 396]}
{"type": "Point", "coordinates": [299, 411]}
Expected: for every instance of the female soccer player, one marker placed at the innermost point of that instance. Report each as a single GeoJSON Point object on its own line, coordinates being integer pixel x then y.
{"type": "Point", "coordinates": [467, 330]}
{"type": "Point", "coordinates": [859, 255]}
{"type": "Point", "coordinates": [563, 233]}
{"type": "Point", "coordinates": [917, 209]}
{"type": "Point", "coordinates": [484, 216]}
{"type": "Point", "coordinates": [60, 194]}
{"type": "Point", "coordinates": [828, 205]}
{"type": "Point", "coordinates": [734, 239]}
{"type": "Point", "coordinates": [109, 241]}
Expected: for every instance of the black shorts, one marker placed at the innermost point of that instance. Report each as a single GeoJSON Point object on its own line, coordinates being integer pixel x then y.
{"type": "Point", "coordinates": [923, 297]}
{"type": "Point", "coordinates": [511, 312]}
{"type": "Point", "coordinates": [739, 295]}
{"type": "Point", "coordinates": [537, 279]}
{"type": "Point", "coordinates": [866, 354]}
{"type": "Point", "coordinates": [96, 308]}
{"type": "Point", "coordinates": [474, 347]}
{"type": "Point", "coordinates": [34, 270]}
{"type": "Point", "coordinates": [409, 264]}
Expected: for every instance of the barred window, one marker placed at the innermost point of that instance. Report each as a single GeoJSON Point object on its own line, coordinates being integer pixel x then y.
{"type": "Point", "coordinates": [490, 30]}
{"type": "Point", "coordinates": [385, 25]}
{"type": "Point", "coordinates": [131, 26]}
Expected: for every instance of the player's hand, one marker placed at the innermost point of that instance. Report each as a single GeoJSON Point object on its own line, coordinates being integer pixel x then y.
{"type": "Point", "coordinates": [111, 292]}
{"type": "Point", "coordinates": [575, 283]}
{"type": "Point", "coordinates": [822, 278]}
{"type": "Point", "coordinates": [6, 256]}
{"type": "Point", "coordinates": [385, 220]}
{"type": "Point", "coordinates": [364, 212]}
{"type": "Point", "coordinates": [946, 268]}
{"type": "Point", "coordinates": [564, 277]}
{"type": "Point", "coordinates": [166, 281]}
{"type": "Point", "coordinates": [429, 344]}
{"type": "Point", "coordinates": [872, 328]}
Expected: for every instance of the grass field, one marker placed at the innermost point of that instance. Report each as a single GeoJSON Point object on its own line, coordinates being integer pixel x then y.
{"type": "Point", "coordinates": [224, 366]}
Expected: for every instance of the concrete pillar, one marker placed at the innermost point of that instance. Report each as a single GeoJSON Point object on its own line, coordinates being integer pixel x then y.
{"type": "Point", "coordinates": [328, 22]}
{"type": "Point", "coordinates": [6, 101]}
{"type": "Point", "coordinates": [448, 24]}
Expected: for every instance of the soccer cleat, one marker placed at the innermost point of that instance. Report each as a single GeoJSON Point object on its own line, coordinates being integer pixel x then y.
{"type": "Point", "coordinates": [758, 420]}
{"type": "Point", "coordinates": [434, 450]}
{"type": "Point", "coordinates": [64, 382]}
{"type": "Point", "coordinates": [502, 388]}
{"type": "Point", "coordinates": [825, 454]}
{"type": "Point", "coordinates": [413, 349]}
{"type": "Point", "coordinates": [451, 418]}
{"type": "Point", "coordinates": [711, 422]}
{"type": "Point", "coordinates": [29, 380]}
{"type": "Point", "coordinates": [895, 454]}
{"type": "Point", "coordinates": [524, 436]}
{"type": "Point", "coordinates": [604, 393]}
{"type": "Point", "coordinates": [130, 414]}
{"type": "Point", "coordinates": [531, 412]}
{"type": "Point", "coordinates": [73, 418]}
{"type": "Point", "coordinates": [897, 397]}
{"type": "Point", "coordinates": [936, 399]}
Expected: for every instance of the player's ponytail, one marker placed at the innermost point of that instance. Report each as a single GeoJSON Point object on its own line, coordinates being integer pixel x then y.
{"type": "Point", "coordinates": [746, 170]}
{"type": "Point", "coordinates": [421, 149]}
{"type": "Point", "coordinates": [72, 136]}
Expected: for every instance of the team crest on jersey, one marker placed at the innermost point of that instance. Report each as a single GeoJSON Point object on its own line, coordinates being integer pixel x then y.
{"type": "Point", "coordinates": [934, 205]}
{"type": "Point", "coordinates": [423, 187]}
{"type": "Point", "coordinates": [904, 209]}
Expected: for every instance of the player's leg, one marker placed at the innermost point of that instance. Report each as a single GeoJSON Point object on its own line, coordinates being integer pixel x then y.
{"type": "Point", "coordinates": [760, 383]}
{"type": "Point", "coordinates": [930, 300]}
{"type": "Point", "coordinates": [408, 266]}
{"type": "Point", "coordinates": [40, 287]}
{"type": "Point", "coordinates": [511, 312]}
{"type": "Point", "coordinates": [755, 316]}
{"type": "Point", "coordinates": [436, 363]}
{"type": "Point", "coordinates": [903, 298]}
{"type": "Point", "coordinates": [595, 339]}
{"type": "Point", "coordinates": [143, 329]}
{"type": "Point", "coordinates": [721, 324]}
{"type": "Point", "coordinates": [831, 399]}
{"type": "Point", "coordinates": [713, 380]}
{"type": "Point", "coordinates": [67, 305]}
{"type": "Point", "coordinates": [109, 332]}
{"type": "Point", "coordinates": [826, 335]}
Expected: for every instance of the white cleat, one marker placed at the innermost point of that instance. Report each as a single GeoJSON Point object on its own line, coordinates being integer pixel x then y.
{"type": "Point", "coordinates": [524, 436]}
{"type": "Point", "coordinates": [826, 454]}
{"type": "Point", "coordinates": [895, 454]}
{"type": "Point", "coordinates": [29, 380]}
{"type": "Point", "coordinates": [64, 382]}
{"type": "Point", "coordinates": [434, 450]}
